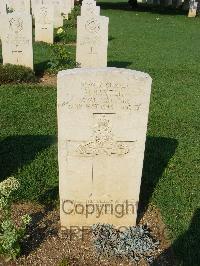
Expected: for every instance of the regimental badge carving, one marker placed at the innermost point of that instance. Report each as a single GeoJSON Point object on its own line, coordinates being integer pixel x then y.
{"type": "Point", "coordinates": [92, 26]}
{"type": "Point", "coordinates": [16, 25]}
{"type": "Point", "coordinates": [103, 141]}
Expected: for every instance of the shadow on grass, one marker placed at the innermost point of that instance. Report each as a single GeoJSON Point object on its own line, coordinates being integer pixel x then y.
{"type": "Point", "coordinates": [37, 234]}
{"type": "Point", "coordinates": [186, 247]}
{"type": "Point", "coordinates": [119, 64]}
{"type": "Point", "coordinates": [158, 152]}
{"type": "Point", "coordinates": [155, 9]}
{"type": "Point", "coordinates": [40, 68]}
{"type": "Point", "coordinates": [17, 151]}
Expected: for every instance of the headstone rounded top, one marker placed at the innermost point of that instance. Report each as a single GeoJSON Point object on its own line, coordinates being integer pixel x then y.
{"type": "Point", "coordinates": [75, 71]}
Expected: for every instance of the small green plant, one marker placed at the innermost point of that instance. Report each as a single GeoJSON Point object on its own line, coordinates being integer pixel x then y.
{"type": "Point", "coordinates": [16, 73]}
{"type": "Point", "coordinates": [63, 262]}
{"type": "Point", "coordinates": [60, 59]}
{"type": "Point", "coordinates": [10, 235]}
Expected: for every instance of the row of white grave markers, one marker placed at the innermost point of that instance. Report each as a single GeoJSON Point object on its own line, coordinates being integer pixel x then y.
{"type": "Point", "coordinates": [92, 36]}
{"type": "Point", "coordinates": [102, 123]}
{"type": "Point", "coordinates": [16, 29]}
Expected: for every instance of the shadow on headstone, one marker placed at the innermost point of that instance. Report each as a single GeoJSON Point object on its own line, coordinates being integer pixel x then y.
{"type": "Point", "coordinates": [187, 246]}
{"type": "Point", "coordinates": [16, 151]}
{"type": "Point", "coordinates": [158, 152]}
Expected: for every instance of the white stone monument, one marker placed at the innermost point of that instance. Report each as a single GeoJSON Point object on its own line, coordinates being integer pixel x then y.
{"type": "Point", "coordinates": [44, 23]}
{"type": "Point", "coordinates": [102, 124]}
{"type": "Point", "coordinates": [66, 8]}
{"type": "Point", "coordinates": [2, 7]}
{"type": "Point", "coordinates": [92, 41]}
{"type": "Point", "coordinates": [72, 4]}
{"type": "Point", "coordinates": [192, 9]}
{"type": "Point", "coordinates": [58, 11]}
{"type": "Point", "coordinates": [17, 46]}
{"type": "Point", "coordinates": [89, 8]}
{"type": "Point", "coordinates": [20, 5]}
{"type": "Point", "coordinates": [34, 4]}
{"type": "Point", "coordinates": [3, 11]}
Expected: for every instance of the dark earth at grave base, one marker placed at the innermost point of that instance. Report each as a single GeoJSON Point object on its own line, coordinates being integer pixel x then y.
{"type": "Point", "coordinates": [47, 245]}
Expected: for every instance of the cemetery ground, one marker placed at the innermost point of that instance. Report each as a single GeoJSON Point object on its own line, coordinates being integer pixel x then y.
{"type": "Point", "coordinates": [165, 44]}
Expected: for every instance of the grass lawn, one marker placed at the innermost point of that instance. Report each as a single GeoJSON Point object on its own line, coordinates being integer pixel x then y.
{"type": "Point", "coordinates": [167, 46]}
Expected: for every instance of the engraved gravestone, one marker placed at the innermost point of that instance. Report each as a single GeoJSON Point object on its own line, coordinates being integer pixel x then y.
{"type": "Point", "coordinates": [58, 10]}
{"type": "Point", "coordinates": [102, 123]}
{"type": "Point", "coordinates": [89, 8]}
{"type": "Point", "coordinates": [34, 4]}
{"type": "Point", "coordinates": [92, 41]}
{"type": "Point", "coordinates": [2, 7]}
{"type": "Point", "coordinates": [21, 5]}
{"type": "Point", "coordinates": [2, 12]}
{"type": "Point", "coordinates": [17, 39]}
{"type": "Point", "coordinates": [44, 23]}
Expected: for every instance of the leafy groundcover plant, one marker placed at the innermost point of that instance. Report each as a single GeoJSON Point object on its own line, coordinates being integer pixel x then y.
{"type": "Point", "coordinates": [15, 73]}
{"type": "Point", "coordinates": [10, 235]}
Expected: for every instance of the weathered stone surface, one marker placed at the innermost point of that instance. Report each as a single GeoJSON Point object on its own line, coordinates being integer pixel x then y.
{"type": "Point", "coordinates": [44, 23]}
{"type": "Point", "coordinates": [92, 41]}
{"type": "Point", "coordinates": [20, 5]}
{"type": "Point", "coordinates": [34, 4]}
{"type": "Point", "coordinates": [72, 4]}
{"type": "Point", "coordinates": [102, 123]}
{"type": "Point", "coordinates": [2, 7]}
{"type": "Point", "coordinates": [2, 12]}
{"type": "Point", "coordinates": [89, 8]}
{"type": "Point", "coordinates": [17, 39]}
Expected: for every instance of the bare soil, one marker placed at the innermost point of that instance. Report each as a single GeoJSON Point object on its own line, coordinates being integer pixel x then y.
{"type": "Point", "coordinates": [48, 245]}
{"type": "Point", "coordinates": [48, 80]}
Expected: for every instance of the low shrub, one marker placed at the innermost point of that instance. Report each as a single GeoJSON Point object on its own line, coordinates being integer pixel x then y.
{"type": "Point", "coordinates": [61, 59]}
{"type": "Point", "coordinates": [16, 73]}
{"type": "Point", "coordinates": [10, 234]}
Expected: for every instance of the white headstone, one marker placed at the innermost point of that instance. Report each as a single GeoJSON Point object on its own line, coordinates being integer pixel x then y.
{"type": "Point", "coordinates": [89, 8]}
{"type": "Point", "coordinates": [58, 11]}
{"type": "Point", "coordinates": [102, 124]}
{"type": "Point", "coordinates": [2, 7]}
{"type": "Point", "coordinates": [193, 9]}
{"type": "Point", "coordinates": [2, 12]}
{"type": "Point", "coordinates": [72, 4]}
{"type": "Point", "coordinates": [34, 4]}
{"type": "Point", "coordinates": [92, 41]}
{"type": "Point", "coordinates": [44, 23]}
{"type": "Point", "coordinates": [66, 8]}
{"type": "Point", "coordinates": [17, 39]}
{"type": "Point", "coordinates": [20, 5]}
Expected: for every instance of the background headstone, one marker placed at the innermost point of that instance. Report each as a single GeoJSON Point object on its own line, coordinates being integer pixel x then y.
{"type": "Point", "coordinates": [17, 46]}
{"type": "Point", "coordinates": [192, 9]}
{"type": "Point", "coordinates": [92, 41]}
{"type": "Point", "coordinates": [89, 8]}
{"type": "Point", "coordinates": [20, 5]}
{"type": "Point", "coordinates": [58, 10]}
{"type": "Point", "coordinates": [2, 12]}
{"type": "Point", "coordinates": [3, 7]}
{"type": "Point", "coordinates": [44, 23]}
{"type": "Point", "coordinates": [102, 124]}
